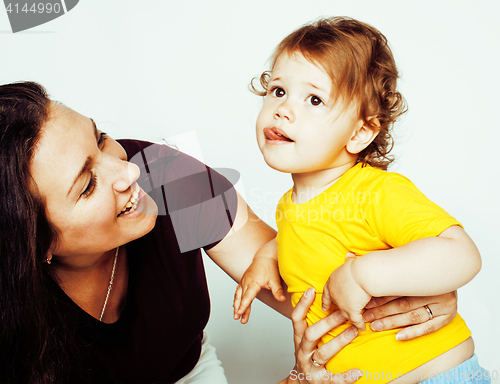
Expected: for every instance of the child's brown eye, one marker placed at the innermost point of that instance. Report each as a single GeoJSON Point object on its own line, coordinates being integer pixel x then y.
{"type": "Point", "coordinates": [278, 92]}
{"type": "Point", "coordinates": [315, 100]}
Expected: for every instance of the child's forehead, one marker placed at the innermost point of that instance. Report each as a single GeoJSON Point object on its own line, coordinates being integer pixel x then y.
{"type": "Point", "coordinates": [296, 66]}
{"type": "Point", "coordinates": [297, 59]}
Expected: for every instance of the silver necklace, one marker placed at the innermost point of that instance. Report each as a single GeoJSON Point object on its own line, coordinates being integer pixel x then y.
{"type": "Point", "coordinates": [110, 284]}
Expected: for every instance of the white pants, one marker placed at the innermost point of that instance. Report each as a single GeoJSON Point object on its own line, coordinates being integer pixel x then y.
{"type": "Point", "coordinates": [208, 369]}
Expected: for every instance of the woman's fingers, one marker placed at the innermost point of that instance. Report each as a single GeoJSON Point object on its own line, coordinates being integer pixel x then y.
{"type": "Point", "coordinates": [401, 305]}
{"type": "Point", "coordinates": [421, 329]}
{"type": "Point", "coordinates": [314, 361]}
{"type": "Point", "coordinates": [358, 321]}
{"type": "Point", "coordinates": [314, 332]}
{"type": "Point", "coordinates": [445, 304]}
{"type": "Point", "coordinates": [299, 315]}
{"type": "Point", "coordinates": [378, 301]}
{"type": "Point", "coordinates": [324, 353]}
{"type": "Point", "coordinates": [306, 341]}
{"type": "Point", "coordinates": [420, 315]}
{"type": "Point", "coordinates": [416, 316]}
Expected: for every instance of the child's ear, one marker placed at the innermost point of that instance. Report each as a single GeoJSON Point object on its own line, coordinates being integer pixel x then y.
{"type": "Point", "coordinates": [363, 136]}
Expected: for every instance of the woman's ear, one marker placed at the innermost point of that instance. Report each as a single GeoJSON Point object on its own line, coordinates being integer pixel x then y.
{"type": "Point", "coordinates": [363, 136]}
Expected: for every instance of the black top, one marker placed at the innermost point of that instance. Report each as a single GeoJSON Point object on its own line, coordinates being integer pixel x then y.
{"type": "Point", "coordinates": [158, 336]}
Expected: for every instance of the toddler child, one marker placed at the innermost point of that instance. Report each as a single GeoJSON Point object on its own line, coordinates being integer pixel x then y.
{"type": "Point", "coordinates": [330, 101]}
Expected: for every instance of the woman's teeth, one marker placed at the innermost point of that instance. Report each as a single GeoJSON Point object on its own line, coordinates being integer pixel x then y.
{"type": "Point", "coordinates": [132, 203]}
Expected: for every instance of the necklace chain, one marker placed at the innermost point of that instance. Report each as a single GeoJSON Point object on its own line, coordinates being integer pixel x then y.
{"type": "Point", "coordinates": [110, 284]}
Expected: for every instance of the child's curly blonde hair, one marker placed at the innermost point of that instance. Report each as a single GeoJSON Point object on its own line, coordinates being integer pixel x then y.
{"type": "Point", "coordinates": [359, 61]}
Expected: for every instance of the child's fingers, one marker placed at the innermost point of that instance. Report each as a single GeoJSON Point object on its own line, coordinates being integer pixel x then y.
{"type": "Point", "coordinates": [326, 299]}
{"type": "Point", "coordinates": [350, 254]}
{"type": "Point", "coordinates": [249, 293]}
{"type": "Point", "coordinates": [277, 291]}
{"type": "Point", "coordinates": [237, 301]}
{"type": "Point", "coordinates": [246, 315]}
{"type": "Point", "coordinates": [357, 320]}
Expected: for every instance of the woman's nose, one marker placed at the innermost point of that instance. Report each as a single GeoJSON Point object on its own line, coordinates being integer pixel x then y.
{"type": "Point", "coordinates": [126, 174]}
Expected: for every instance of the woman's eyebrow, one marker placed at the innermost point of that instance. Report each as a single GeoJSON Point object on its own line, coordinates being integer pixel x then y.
{"type": "Point", "coordinates": [82, 171]}
{"type": "Point", "coordinates": [95, 130]}
{"type": "Point", "coordinates": [87, 162]}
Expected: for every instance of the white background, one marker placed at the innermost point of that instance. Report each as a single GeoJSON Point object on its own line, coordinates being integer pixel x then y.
{"type": "Point", "coordinates": [154, 69]}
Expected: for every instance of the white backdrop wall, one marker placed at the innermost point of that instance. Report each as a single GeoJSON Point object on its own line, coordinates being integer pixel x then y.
{"type": "Point", "coordinates": [153, 69]}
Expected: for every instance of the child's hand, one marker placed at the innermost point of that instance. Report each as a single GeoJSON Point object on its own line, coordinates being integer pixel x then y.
{"type": "Point", "coordinates": [262, 273]}
{"type": "Point", "coordinates": [342, 290]}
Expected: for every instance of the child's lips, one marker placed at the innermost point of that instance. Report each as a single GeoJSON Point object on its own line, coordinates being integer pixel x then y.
{"type": "Point", "coordinates": [276, 134]}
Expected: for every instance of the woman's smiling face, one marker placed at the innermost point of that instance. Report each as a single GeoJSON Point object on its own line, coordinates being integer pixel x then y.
{"type": "Point", "coordinates": [86, 182]}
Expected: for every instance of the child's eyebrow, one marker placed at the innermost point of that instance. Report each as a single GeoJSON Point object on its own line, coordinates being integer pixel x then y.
{"type": "Point", "coordinates": [316, 87]}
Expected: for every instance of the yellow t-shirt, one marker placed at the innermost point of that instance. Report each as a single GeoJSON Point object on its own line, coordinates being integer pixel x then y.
{"type": "Point", "coordinates": [367, 209]}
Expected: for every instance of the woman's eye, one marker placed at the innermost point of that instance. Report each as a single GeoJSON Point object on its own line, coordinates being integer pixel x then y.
{"type": "Point", "coordinates": [278, 92]}
{"type": "Point", "coordinates": [102, 139]}
{"type": "Point", "coordinates": [315, 100]}
{"type": "Point", "coordinates": [90, 187]}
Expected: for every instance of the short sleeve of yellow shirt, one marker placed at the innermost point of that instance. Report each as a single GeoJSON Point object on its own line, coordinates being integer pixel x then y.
{"type": "Point", "coordinates": [401, 213]}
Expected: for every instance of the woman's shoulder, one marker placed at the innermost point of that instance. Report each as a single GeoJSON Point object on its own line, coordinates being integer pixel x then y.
{"type": "Point", "coordinates": [160, 163]}
{"type": "Point", "coordinates": [134, 147]}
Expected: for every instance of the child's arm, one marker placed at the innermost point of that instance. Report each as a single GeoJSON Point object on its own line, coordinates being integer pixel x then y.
{"type": "Point", "coordinates": [428, 266]}
{"type": "Point", "coordinates": [262, 273]}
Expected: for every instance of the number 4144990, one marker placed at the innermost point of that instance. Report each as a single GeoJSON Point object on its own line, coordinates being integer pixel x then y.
{"type": "Point", "coordinates": [478, 375]}
{"type": "Point", "coordinates": [34, 8]}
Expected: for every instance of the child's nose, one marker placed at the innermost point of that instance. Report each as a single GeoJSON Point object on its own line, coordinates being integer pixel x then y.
{"type": "Point", "coordinates": [284, 111]}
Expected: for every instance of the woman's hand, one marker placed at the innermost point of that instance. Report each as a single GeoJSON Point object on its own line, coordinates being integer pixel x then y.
{"type": "Point", "coordinates": [384, 313]}
{"type": "Point", "coordinates": [311, 360]}
{"type": "Point", "coordinates": [395, 312]}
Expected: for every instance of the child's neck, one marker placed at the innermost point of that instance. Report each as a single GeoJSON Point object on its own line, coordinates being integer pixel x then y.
{"type": "Point", "coordinates": [307, 186]}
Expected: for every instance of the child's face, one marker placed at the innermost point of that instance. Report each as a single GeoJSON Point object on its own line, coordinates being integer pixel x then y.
{"type": "Point", "coordinates": [300, 128]}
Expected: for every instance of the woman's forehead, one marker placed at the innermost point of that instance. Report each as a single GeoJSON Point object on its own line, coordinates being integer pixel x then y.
{"type": "Point", "coordinates": [65, 142]}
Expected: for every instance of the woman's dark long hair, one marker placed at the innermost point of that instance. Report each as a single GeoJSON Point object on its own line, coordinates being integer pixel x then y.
{"type": "Point", "coordinates": [36, 343]}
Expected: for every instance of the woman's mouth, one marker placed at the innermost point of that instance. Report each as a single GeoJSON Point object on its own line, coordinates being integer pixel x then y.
{"type": "Point", "coordinates": [276, 135]}
{"type": "Point", "coordinates": [131, 205]}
